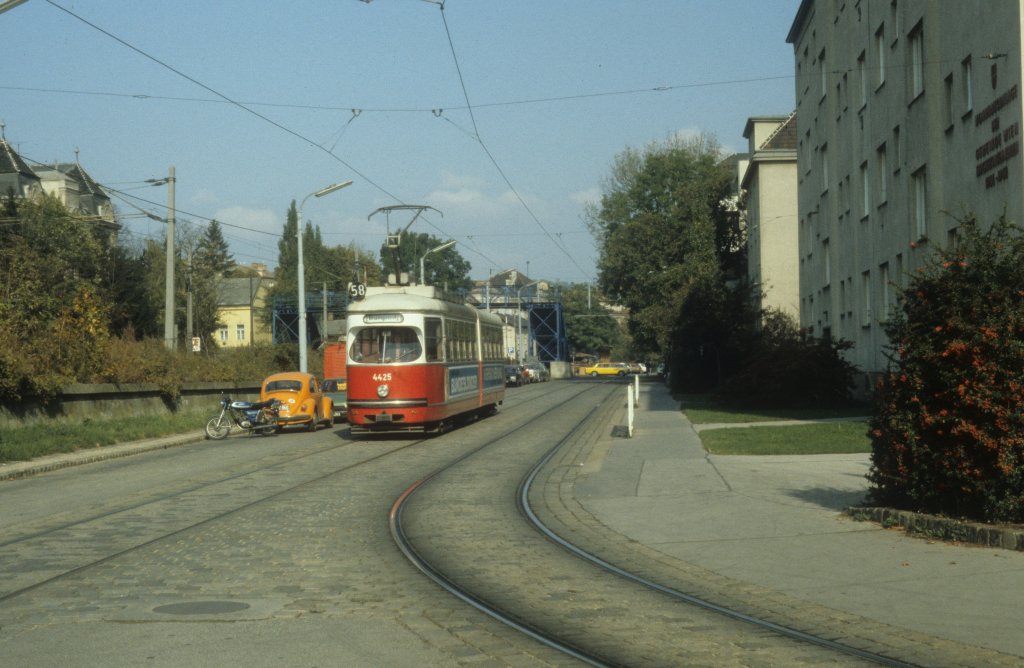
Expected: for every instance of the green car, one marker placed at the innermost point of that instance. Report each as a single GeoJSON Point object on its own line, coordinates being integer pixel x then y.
{"type": "Point", "coordinates": [337, 390]}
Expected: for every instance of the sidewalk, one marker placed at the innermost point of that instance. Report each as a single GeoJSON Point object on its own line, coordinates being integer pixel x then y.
{"type": "Point", "coordinates": [777, 522]}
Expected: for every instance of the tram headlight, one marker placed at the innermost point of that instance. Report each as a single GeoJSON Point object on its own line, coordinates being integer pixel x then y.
{"type": "Point", "coordinates": [382, 391]}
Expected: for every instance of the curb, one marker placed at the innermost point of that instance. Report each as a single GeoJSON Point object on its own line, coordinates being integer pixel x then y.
{"type": "Point", "coordinates": [1008, 537]}
{"type": "Point", "coordinates": [15, 470]}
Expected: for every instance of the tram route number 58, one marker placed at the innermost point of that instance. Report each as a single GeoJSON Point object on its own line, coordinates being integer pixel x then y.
{"type": "Point", "coordinates": [356, 291]}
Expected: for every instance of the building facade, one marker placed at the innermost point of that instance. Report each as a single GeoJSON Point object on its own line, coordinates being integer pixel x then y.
{"type": "Point", "coordinates": [241, 312]}
{"type": "Point", "coordinates": [769, 177]}
{"type": "Point", "coordinates": [908, 118]}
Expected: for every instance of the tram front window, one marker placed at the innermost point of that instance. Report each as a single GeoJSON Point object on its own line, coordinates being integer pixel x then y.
{"type": "Point", "coordinates": [386, 345]}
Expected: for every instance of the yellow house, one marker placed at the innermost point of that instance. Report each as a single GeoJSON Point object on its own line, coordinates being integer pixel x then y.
{"type": "Point", "coordinates": [241, 305]}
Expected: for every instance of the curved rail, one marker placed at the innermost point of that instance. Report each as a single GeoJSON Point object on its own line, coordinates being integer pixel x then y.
{"type": "Point", "coordinates": [549, 639]}
{"type": "Point", "coordinates": [410, 552]}
{"type": "Point", "coordinates": [523, 503]}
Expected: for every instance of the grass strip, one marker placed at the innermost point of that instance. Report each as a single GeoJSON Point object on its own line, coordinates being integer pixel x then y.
{"type": "Point", "coordinates": [702, 409]}
{"type": "Point", "coordinates": [807, 439]}
{"type": "Point", "coordinates": [24, 443]}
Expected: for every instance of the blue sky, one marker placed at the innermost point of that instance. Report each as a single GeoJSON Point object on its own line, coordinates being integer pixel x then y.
{"type": "Point", "coordinates": [258, 103]}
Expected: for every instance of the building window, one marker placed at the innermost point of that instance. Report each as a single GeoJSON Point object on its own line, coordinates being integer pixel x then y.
{"type": "Point", "coordinates": [897, 149]}
{"type": "Point", "coordinates": [240, 332]}
{"type": "Point", "coordinates": [916, 62]}
{"type": "Point", "coordinates": [883, 271]}
{"type": "Point", "coordinates": [824, 74]}
{"type": "Point", "coordinates": [223, 334]}
{"type": "Point", "coordinates": [824, 168]}
{"type": "Point", "coordinates": [865, 190]}
{"type": "Point", "coordinates": [920, 202]}
{"type": "Point", "coordinates": [947, 101]}
{"type": "Point", "coordinates": [865, 285]}
{"type": "Point", "coordinates": [883, 171]}
{"type": "Point", "coordinates": [862, 76]}
{"type": "Point", "coordinates": [966, 86]}
{"type": "Point", "coordinates": [880, 49]}
{"type": "Point", "coordinates": [827, 262]}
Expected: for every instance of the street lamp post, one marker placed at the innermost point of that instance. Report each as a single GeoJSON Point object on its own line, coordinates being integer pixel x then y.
{"type": "Point", "coordinates": [519, 317]}
{"type": "Point", "coordinates": [303, 363]}
{"type": "Point", "coordinates": [169, 338]}
{"type": "Point", "coordinates": [436, 249]}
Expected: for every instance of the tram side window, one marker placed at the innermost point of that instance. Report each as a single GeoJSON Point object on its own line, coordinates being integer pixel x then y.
{"type": "Point", "coordinates": [492, 342]}
{"type": "Point", "coordinates": [459, 340]}
{"type": "Point", "coordinates": [432, 339]}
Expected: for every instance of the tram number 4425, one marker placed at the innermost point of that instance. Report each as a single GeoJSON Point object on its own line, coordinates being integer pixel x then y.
{"type": "Point", "coordinates": [382, 377]}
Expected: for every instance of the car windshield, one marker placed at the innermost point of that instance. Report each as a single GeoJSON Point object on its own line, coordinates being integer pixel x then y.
{"type": "Point", "coordinates": [375, 345]}
{"type": "Point", "coordinates": [283, 386]}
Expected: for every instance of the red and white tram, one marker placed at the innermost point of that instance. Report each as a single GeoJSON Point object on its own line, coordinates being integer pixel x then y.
{"type": "Point", "coordinates": [417, 359]}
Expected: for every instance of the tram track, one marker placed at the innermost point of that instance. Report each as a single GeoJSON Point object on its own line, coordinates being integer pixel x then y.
{"type": "Point", "coordinates": [18, 585]}
{"type": "Point", "coordinates": [494, 475]}
{"type": "Point", "coordinates": [793, 641]}
{"type": "Point", "coordinates": [83, 524]}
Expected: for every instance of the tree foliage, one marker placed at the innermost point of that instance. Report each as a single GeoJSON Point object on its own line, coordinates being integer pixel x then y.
{"type": "Point", "coordinates": [669, 249]}
{"type": "Point", "coordinates": [54, 313]}
{"type": "Point", "coordinates": [590, 326]}
{"type": "Point", "coordinates": [445, 269]}
{"type": "Point", "coordinates": [948, 431]}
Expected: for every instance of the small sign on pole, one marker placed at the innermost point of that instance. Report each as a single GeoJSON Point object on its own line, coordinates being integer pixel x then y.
{"type": "Point", "coordinates": [197, 344]}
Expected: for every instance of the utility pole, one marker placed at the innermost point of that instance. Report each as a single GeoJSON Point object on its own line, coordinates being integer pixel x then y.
{"type": "Point", "coordinates": [169, 338]}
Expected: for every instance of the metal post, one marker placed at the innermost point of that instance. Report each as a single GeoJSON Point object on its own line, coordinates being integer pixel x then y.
{"type": "Point", "coordinates": [169, 338]}
{"type": "Point", "coordinates": [303, 365]}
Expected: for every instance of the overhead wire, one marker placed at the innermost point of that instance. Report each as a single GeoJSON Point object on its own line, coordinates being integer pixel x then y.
{"type": "Point", "coordinates": [476, 130]}
{"type": "Point", "coordinates": [247, 109]}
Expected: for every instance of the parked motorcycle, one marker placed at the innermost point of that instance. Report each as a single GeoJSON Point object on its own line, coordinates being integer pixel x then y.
{"type": "Point", "coordinates": [258, 417]}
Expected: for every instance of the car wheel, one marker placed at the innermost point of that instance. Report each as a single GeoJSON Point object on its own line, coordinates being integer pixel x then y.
{"type": "Point", "coordinates": [593, 374]}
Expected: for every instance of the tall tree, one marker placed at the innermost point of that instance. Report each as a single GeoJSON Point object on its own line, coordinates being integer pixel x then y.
{"type": "Point", "coordinates": [213, 253]}
{"type": "Point", "coordinates": [665, 230]}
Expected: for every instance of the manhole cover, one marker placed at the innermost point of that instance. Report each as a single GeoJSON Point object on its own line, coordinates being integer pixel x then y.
{"type": "Point", "coordinates": [201, 608]}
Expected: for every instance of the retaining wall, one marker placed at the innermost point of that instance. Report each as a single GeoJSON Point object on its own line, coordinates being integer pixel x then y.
{"type": "Point", "coordinates": [79, 402]}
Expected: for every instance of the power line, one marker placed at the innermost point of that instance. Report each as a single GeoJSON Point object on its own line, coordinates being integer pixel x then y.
{"type": "Point", "coordinates": [242, 106]}
{"type": "Point", "coordinates": [490, 156]}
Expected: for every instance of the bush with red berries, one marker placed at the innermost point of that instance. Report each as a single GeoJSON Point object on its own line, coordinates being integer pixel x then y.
{"type": "Point", "coordinates": [948, 431]}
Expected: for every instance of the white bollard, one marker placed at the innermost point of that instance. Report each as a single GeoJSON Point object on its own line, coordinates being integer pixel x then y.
{"type": "Point", "coordinates": [636, 390]}
{"type": "Point", "coordinates": [629, 411]}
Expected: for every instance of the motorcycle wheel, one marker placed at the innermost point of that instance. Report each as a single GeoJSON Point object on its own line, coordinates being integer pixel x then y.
{"type": "Point", "coordinates": [218, 428]}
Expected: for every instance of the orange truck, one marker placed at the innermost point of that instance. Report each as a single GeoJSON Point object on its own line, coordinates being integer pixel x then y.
{"type": "Point", "coordinates": [335, 383]}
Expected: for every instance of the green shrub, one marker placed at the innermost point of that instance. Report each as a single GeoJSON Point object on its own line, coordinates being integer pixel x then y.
{"type": "Point", "coordinates": [948, 431]}
{"type": "Point", "coordinates": [783, 368]}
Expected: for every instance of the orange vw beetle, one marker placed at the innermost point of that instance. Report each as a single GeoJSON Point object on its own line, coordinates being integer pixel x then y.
{"type": "Point", "coordinates": [302, 401]}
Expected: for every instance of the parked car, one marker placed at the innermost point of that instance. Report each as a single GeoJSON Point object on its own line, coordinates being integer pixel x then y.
{"type": "Point", "coordinates": [302, 400]}
{"type": "Point", "coordinates": [637, 367]}
{"type": "Point", "coordinates": [337, 390]}
{"type": "Point", "coordinates": [606, 369]}
{"type": "Point", "coordinates": [514, 375]}
{"type": "Point", "coordinates": [538, 372]}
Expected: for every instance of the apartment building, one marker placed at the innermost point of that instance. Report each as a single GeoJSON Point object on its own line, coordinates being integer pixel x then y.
{"type": "Point", "coordinates": [769, 177]}
{"type": "Point", "coordinates": [908, 117]}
